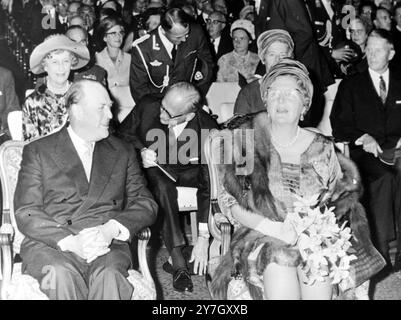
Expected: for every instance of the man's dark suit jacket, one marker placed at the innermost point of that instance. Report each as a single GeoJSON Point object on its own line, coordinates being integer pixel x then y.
{"type": "Point", "coordinates": [225, 45]}
{"type": "Point", "coordinates": [145, 117]}
{"type": "Point", "coordinates": [292, 15]}
{"type": "Point", "coordinates": [358, 109]}
{"type": "Point", "coordinates": [53, 198]}
{"type": "Point", "coordinates": [8, 98]}
{"type": "Point", "coordinates": [196, 47]}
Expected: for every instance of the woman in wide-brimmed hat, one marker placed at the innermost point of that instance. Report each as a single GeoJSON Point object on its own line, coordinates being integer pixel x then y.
{"type": "Point", "coordinates": [44, 110]}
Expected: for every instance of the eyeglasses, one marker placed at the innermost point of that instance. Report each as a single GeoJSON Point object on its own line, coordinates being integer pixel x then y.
{"type": "Point", "coordinates": [214, 22]}
{"type": "Point", "coordinates": [115, 34]}
{"type": "Point", "coordinates": [275, 94]}
{"type": "Point", "coordinates": [169, 115]}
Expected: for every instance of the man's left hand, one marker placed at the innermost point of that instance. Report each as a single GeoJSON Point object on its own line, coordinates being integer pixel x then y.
{"type": "Point", "coordinates": [200, 255]}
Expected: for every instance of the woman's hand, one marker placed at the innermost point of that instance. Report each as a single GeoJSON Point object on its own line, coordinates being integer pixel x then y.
{"type": "Point", "coordinates": [288, 233]}
{"type": "Point", "coordinates": [284, 231]}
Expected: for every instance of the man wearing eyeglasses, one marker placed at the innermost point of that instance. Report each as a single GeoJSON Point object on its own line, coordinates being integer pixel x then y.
{"type": "Point", "coordinates": [168, 135]}
{"type": "Point", "coordinates": [176, 51]}
{"type": "Point", "coordinates": [219, 36]}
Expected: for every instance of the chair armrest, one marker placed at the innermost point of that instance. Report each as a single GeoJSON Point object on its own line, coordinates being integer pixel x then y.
{"type": "Point", "coordinates": [221, 232]}
{"type": "Point", "coordinates": [143, 239]}
{"type": "Point", "coordinates": [6, 263]}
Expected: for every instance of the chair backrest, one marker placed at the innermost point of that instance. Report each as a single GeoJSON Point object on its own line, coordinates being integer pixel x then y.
{"type": "Point", "coordinates": [10, 161]}
{"type": "Point", "coordinates": [221, 99]}
{"type": "Point", "coordinates": [213, 158]}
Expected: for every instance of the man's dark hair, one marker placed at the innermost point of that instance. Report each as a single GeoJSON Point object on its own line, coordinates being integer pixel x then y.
{"type": "Point", "coordinates": [174, 16]}
{"type": "Point", "coordinates": [374, 12]}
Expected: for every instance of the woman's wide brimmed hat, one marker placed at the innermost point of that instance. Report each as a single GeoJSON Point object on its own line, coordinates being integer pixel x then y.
{"type": "Point", "coordinates": [58, 42]}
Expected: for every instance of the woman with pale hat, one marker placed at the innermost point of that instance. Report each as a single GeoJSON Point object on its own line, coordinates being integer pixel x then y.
{"type": "Point", "coordinates": [44, 110]}
{"type": "Point", "coordinates": [240, 60]}
{"type": "Point", "coordinates": [273, 45]}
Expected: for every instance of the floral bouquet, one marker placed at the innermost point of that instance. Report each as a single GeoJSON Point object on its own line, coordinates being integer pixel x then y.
{"type": "Point", "coordinates": [323, 244]}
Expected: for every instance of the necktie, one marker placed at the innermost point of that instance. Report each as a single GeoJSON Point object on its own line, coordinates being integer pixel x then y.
{"type": "Point", "coordinates": [87, 159]}
{"type": "Point", "coordinates": [383, 91]}
{"type": "Point", "coordinates": [173, 53]}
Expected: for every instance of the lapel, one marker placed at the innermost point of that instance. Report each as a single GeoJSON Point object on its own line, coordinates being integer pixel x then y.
{"type": "Point", "coordinates": [371, 92]}
{"type": "Point", "coordinates": [104, 160]}
{"type": "Point", "coordinates": [67, 159]}
{"type": "Point", "coordinates": [392, 88]}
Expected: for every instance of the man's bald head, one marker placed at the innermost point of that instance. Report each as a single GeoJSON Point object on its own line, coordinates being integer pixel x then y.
{"type": "Point", "coordinates": [179, 104]}
{"type": "Point", "coordinates": [184, 96]}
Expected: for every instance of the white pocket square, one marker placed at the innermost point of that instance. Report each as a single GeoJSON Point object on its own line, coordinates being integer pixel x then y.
{"type": "Point", "coordinates": [398, 102]}
{"type": "Point", "coordinates": [1, 93]}
{"type": "Point", "coordinates": [156, 63]}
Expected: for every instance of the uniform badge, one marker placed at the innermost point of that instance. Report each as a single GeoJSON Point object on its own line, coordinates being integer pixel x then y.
{"type": "Point", "coordinates": [155, 45]}
{"type": "Point", "coordinates": [198, 76]}
{"type": "Point", "coordinates": [155, 63]}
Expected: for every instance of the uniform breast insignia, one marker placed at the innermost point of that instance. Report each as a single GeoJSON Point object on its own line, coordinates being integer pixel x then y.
{"type": "Point", "coordinates": [155, 45]}
{"type": "Point", "coordinates": [155, 63]}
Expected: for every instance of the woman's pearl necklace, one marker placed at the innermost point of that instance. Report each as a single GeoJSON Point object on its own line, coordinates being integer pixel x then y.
{"type": "Point", "coordinates": [287, 145]}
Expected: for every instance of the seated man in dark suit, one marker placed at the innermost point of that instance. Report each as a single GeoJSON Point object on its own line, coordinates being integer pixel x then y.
{"type": "Point", "coordinates": [80, 198]}
{"type": "Point", "coordinates": [367, 112]}
{"type": "Point", "coordinates": [170, 133]}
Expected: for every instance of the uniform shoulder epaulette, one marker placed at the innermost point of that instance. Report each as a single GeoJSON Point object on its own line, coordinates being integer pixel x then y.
{"type": "Point", "coordinates": [141, 39]}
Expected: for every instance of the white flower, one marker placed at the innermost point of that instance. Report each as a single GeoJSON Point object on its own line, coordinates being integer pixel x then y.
{"type": "Point", "coordinates": [323, 244]}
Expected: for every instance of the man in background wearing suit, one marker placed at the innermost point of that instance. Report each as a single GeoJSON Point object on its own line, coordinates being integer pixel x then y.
{"type": "Point", "coordinates": [169, 133]}
{"type": "Point", "coordinates": [176, 51]}
{"type": "Point", "coordinates": [219, 35]}
{"type": "Point", "coordinates": [367, 112]}
{"type": "Point", "coordinates": [79, 200]}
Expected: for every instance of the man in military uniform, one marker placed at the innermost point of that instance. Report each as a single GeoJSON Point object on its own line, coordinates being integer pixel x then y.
{"type": "Point", "coordinates": [176, 51]}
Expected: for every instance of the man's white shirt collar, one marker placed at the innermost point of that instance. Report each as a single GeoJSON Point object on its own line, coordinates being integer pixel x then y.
{"type": "Point", "coordinates": [166, 42]}
{"type": "Point", "coordinates": [179, 128]}
{"type": "Point", "coordinates": [79, 144]}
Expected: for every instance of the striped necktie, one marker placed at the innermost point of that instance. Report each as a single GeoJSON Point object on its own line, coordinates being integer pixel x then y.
{"type": "Point", "coordinates": [383, 91]}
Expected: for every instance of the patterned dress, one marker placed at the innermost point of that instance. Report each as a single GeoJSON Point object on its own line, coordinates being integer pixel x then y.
{"type": "Point", "coordinates": [43, 113]}
{"type": "Point", "coordinates": [232, 63]}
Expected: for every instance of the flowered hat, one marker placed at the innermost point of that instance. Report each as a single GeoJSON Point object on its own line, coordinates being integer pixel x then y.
{"type": "Point", "coordinates": [243, 24]}
{"type": "Point", "coordinates": [56, 42]}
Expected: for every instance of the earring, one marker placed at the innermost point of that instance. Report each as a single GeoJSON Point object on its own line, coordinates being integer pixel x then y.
{"type": "Point", "coordinates": [301, 118]}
